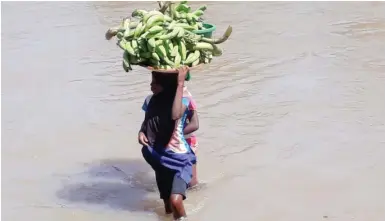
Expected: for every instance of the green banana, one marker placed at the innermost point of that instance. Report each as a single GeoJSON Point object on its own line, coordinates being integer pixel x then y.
{"type": "Point", "coordinates": [184, 26]}
{"type": "Point", "coordinates": [156, 35]}
{"type": "Point", "coordinates": [142, 45]}
{"type": "Point", "coordinates": [192, 57]}
{"type": "Point", "coordinates": [151, 42]}
{"type": "Point", "coordinates": [170, 35]}
{"type": "Point", "coordinates": [182, 49]}
{"type": "Point", "coordinates": [189, 18]}
{"type": "Point", "coordinates": [119, 35]}
{"type": "Point", "coordinates": [126, 23]}
{"type": "Point", "coordinates": [122, 44]}
{"type": "Point", "coordinates": [146, 55]}
{"type": "Point", "coordinates": [150, 14]}
{"type": "Point", "coordinates": [126, 32]}
{"type": "Point", "coordinates": [198, 13]}
{"type": "Point", "coordinates": [158, 42]}
{"type": "Point", "coordinates": [195, 18]}
{"type": "Point", "coordinates": [135, 46]}
{"type": "Point", "coordinates": [166, 44]}
{"type": "Point", "coordinates": [149, 48]}
{"type": "Point", "coordinates": [175, 51]}
{"type": "Point", "coordinates": [167, 18]}
{"type": "Point", "coordinates": [130, 35]}
{"type": "Point", "coordinates": [177, 60]}
{"type": "Point", "coordinates": [180, 32]}
{"type": "Point", "coordinates": [121, 24]}
{"type": "Point", "coordinates": [133, 24]}
{"type": "Point", "coordinates": [183, 8]}
{"type": "Point", "coordinates": [169, 62]}
{"type": "Point", "coordinates": [155, 29]}
{"type": "Point", "coordinates": [138, 30]}
{"type": "Point", "coordinates": [155, 56]}
{"type": "Point", "coordinates": [170, 44]}
{"type": "Point", "coordinates": [195, 63]}
{"type": "Point", "coordinates": [143, 36]}
{"type": "Point", "coordinates": [126, 62]}
{"type": "Point", "coordinates": [139, 13]}
{"type": "Point", "coordinates": [183, 15]}
{"type": "Point", "coordinates": [172, 25]}
{"type": "Point", "coordinates": [161, 51]}
{"type": "Point", "coordinates": [203, 46]}
{"type": "Point", "coordinates": [203, 8]}
{"type": "Point", "coordinates": [154, 19]}
{"type": "Point", "coordinates": [129, 48]}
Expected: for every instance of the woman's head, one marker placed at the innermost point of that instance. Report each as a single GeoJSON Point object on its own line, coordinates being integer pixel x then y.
{"type": "Point", "coordinates": [163, 82]}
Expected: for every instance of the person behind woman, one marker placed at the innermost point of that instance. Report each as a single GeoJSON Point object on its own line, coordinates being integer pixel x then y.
{"type": "Point", "coordinates": [191, 125]}
{"type": "Point", "coordinates": [162, 137]}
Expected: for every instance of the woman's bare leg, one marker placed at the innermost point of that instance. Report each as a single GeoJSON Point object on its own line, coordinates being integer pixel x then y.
{"type": "Point", "coordinates": [194, 180]}
{"type": "Point", "coordinates": [177, 206]}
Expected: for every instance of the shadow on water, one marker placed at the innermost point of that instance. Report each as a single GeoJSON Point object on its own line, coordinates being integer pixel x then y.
{"type": "Point", "coordinates": [120, 184]}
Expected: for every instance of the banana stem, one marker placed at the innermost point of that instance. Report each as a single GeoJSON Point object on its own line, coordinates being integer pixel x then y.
{"type": "Point", "coordinates": [170, 11]}
{"type": "Point", "coordinates": [160, 3]}
{"type": "Point", "coordinates": [222, 39]}
{"type": "Point", "coordinates": [164, 6]}
{"type": "Point", "coordinates": [111, 32]}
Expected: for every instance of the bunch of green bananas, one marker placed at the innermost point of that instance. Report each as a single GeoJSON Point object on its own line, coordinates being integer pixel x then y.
{"type": "Point", "coordinates": [165, 39]}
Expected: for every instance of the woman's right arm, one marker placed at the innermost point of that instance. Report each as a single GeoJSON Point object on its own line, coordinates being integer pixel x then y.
{"type": "Point", "coordinates": [143, 127]}
{"type": "Point", "coordinates": [177, 106]}
{"type": "Point", "coordinates": [142, 139]}
{"type": "Point", "coordinates": [193, 124]}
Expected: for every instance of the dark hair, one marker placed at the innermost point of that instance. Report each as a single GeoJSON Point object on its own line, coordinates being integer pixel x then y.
{"type": "Point", "coordinates": [167, 81]}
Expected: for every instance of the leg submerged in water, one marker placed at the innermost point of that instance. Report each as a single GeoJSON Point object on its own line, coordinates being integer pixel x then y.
{"type": "Point", "coordinates": [172, 190]}
{"type": "Point", "coordinates": [176, 201]}
{"type": "Point", "coordinates": [194, 180]}
{"type": "Point", "coordinates": [178, 194]}
{"type": "Point", "coordinates": [164, 182]}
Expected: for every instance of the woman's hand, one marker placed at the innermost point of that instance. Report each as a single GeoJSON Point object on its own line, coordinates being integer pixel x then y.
{"type": "Point", "coordinates": [182, 72]}
{"type": "Point", "coordinates": [142, 139]}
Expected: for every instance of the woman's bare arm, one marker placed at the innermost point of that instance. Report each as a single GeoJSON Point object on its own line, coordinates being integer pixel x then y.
{"type": "Point", "coordinates": [143, 127]}
{"type": "Point", "coordinates": [193, 125]}
{"type": "Point", "coordinates": [177, 106]}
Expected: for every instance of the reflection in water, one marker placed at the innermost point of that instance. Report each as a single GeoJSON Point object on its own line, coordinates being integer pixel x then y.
{"type": "Point", "coordinates": [292, 117]}
{"type": "Point", "coordinates": [107, 183]}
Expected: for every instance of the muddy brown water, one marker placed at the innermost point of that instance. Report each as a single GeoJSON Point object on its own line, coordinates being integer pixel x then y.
{"type": "Point", "coordinates": [292, 115]}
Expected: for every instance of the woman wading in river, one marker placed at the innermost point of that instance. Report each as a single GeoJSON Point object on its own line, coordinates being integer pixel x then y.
{"type": "Point", "coordinates": [162, 137]}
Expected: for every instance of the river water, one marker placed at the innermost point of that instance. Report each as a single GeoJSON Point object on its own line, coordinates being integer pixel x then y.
{"type": "Point", "coordinates": [292, 115]}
